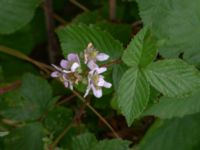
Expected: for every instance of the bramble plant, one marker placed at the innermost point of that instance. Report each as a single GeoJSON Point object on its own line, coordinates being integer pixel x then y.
{"type": "Point", "coordinates": [99, 75]}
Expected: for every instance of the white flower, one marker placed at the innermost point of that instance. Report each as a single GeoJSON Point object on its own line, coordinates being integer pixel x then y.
{"type": "Point", "coordinates": [91, 54]}
{"type": "Point", "coordinates": [96, 81]}
{"type": "Point", "coordinates": [68, 73]}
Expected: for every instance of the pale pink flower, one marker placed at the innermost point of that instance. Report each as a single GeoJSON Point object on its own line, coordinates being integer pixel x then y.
{"type": "Point", "coordinates": [92, 54]}
{"type": "Point", "coordinates": [96, 81]}
{"type": "Point", "coordinates": [68, 73]}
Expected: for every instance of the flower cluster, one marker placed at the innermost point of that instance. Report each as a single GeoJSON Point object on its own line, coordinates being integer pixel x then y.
{"type": "Point", "coordinates": [70, 71]}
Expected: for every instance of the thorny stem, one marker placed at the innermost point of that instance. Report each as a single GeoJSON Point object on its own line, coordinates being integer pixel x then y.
{"type": "Point", "coordinates": [66, 99]}
{"type": "Point", "coordinates": [117, 61]}
{"type": "Point", "coordinates": [97, 113]}
{"type": "Point", "coordinates": [75, 2]}
{"type": "Point", "coordinates": [24, 57]}
{"type": "Point", "coordinates": [53, 145]}
{"type": "Point", "coordinates": [9, 87]}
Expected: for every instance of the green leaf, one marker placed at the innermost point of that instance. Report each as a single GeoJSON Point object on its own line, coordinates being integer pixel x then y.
{"type": "Point", "coordinates": [173, 134]}
{"type": "Point", "coordinates": [15, 107]}
{"type": "Point", "coordinates": [177, 22]}
{"type": "Point", "coordinates": [28, 137]}
{"type": "Point", "coordinates": [133, 94]}
{"type": "Point", "coordinates": [15, 14]}
{"type": "Point", "coordinates": [21, 40]}
{"type": "Point", "coordinates": [173, 77]}
{"type": "Point", "coordinates": [32, 100]}
{"type": "Point", "coordinates": [84, 142]}
{"type": "Point", "coordinates": [75, 38]}
{"type": "Point", "coordinates": [173, 107]}
{"type": "Point", "coordinates": [122, 32]}
{"type": "Point", "coordinates": [89, 17]}
{"type": "Point", "coordinates": [118, 71]}
{"type": "Point", "coordinates": [142, 49]}
{"type": "Point", "coordinates": [88, 141]}
{"type": "Point", "coordinates": [57, 119]}
{"type": "Point", "coordinates": [113, 144]}
{"type": "Point", "coordinates": [37, 91]}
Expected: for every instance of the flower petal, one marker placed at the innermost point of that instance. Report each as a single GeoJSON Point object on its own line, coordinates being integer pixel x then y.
{"type": "Point", "coordinates": [107, 85]}
{"type": "Point", "coordinates": [74, 66]}
{"type": "Point", "coordinates": [71, 85]}
{"type": "Point", "coordinates": [55, 74]}
{"type": "Point", "coordinates": [102, 57]}
{"type": "Point", "coordinates": [64, 63]}
{"type": "Point", "coordinates": [66, 84]}
{"type": "Point", "coordinates": [101, 81]}
{"type": "Point", "coordinates": [101, 70]}
{"type": "Point", "coordinates": [73, 57]}
{"type": "Point", "coordinates": [97, 92]}
{"type": "Point", "coordinates": [87, 91]}
{"type": "Point", "coordinates": [92, 65]}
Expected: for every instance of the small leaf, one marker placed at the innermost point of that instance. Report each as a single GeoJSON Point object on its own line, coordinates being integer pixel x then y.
{"type": "Point", "coordinates": [75, 38]}
{"type": "Point", "coordinates": [142, 49]}
{"type": "Point", "coordinates": [133, 94]}
{"type": "Point", "coordinates": [84, 142]}
{"type": "Point", "coordinates": [173, 77]}
{"type": "Point", "coordinates": [88, 141]}
{"type": "Point", "coordinates": [15, 14]}
{"type": "Point", "coordinates": [58, 119]}
{"type": "Point", "coordinates": [173, 107]}
{"type": "Point", "coordinates": [28, 137]}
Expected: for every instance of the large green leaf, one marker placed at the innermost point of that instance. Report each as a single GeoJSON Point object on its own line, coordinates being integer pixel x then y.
{"type": "Point", "coordinates": [142, 49]}
{"type": "Point", "coordinates": [75, 38]}
{"type": "Point", "coordinates": [28, 137]}
{"type": "Point", "coordinates": [177, 22]}
{"type": "Point", "coordinates": [14, 14]}
{"type": "Point", "coordinates": [173, 107]}
{"type": "Point", "coordinates": [173, 77]}
{"type": "Point", "coordinates": [173, 134]}
{"type": "Point", "coordinates": [88, 141]}
{"type": "Point", "coordinates": [133, 94]}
